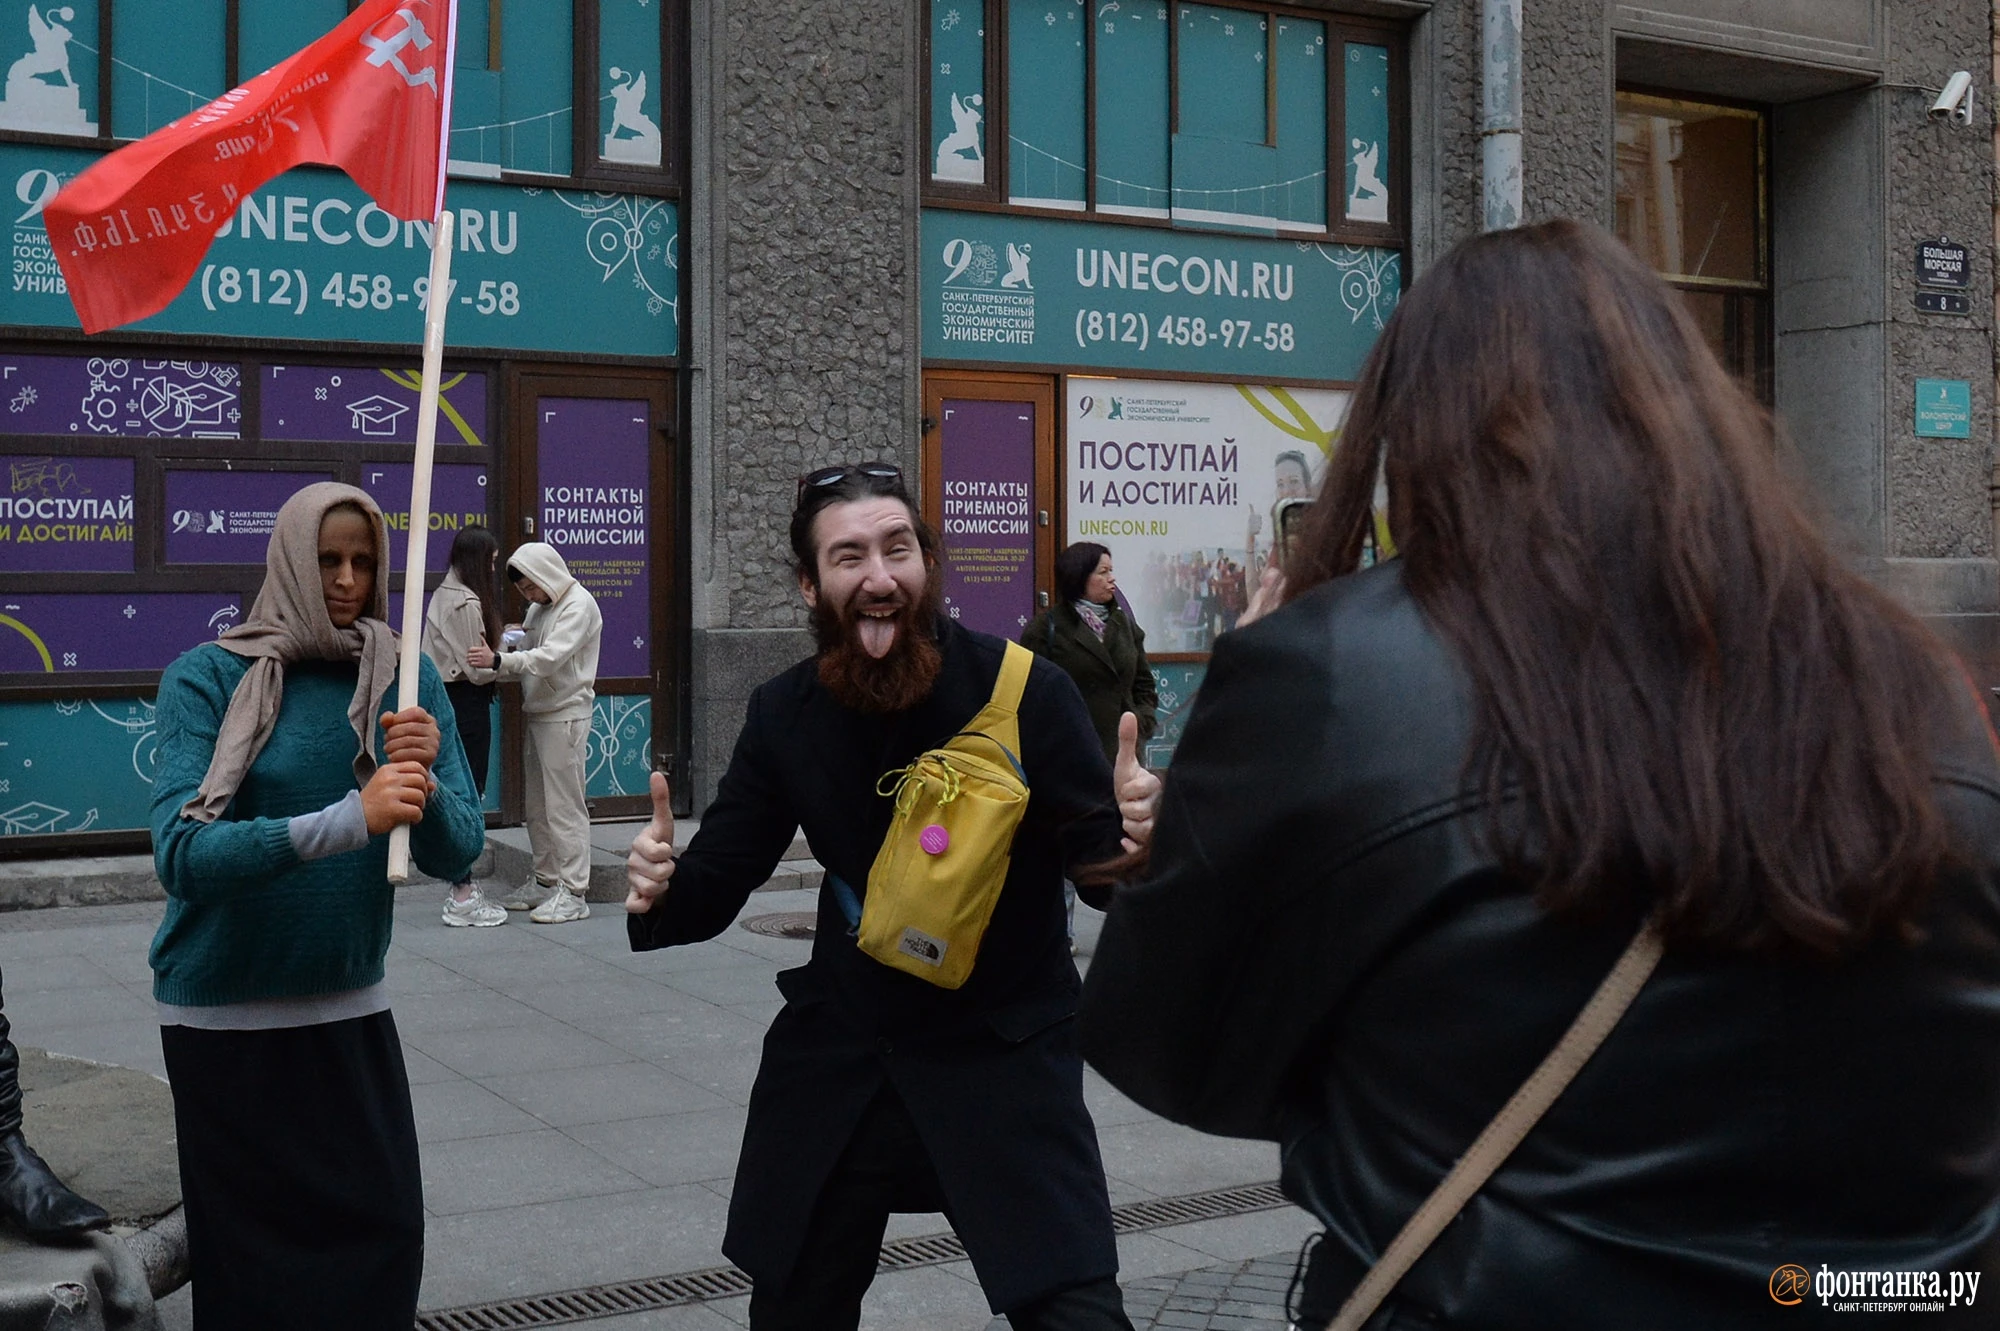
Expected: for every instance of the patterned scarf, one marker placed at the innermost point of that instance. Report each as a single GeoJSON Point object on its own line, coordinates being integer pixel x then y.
{"type": "Point", "coordinates": [1094, 615]}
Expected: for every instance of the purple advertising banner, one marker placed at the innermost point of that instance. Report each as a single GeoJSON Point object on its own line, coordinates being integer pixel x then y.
{"type": "Point", "coordinates": [121, 396]}
{"type": "Point", "coordinates": [58, 633]}
{"type": "Point", "coordinates": [342, 403]}
{"type": "Point", "coordinates": [989, 521]}
{"type": "Point", "coordinates": [458, 501]}
{"type": "Point", "coordinates": [65, 515]}
{"type": "Point", "coordinates": [225, 517]}
{"type": "Point", "coordinates": [593, 476]}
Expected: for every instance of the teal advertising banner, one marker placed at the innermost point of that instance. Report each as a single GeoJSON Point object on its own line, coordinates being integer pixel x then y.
{"type": "Point", "coordinates": [310, 257]}
{"type": "Point", "coordinates": [618, 759]}
{"type": "Point", "coordinates": [1176, 683]}
{"type": "Point", "coordinates": [1367, 150]}
{"type": "Point", "coordinates": [629, 81]}
{"type": "Point", "coordinates": [1133, 161]}
{"type": "Point", "coordinates": [1046, 291]}
{"type": "Point", "coordinates": [1046, 145]}
{"type": "Point", "coordinates": [87, 765]}
{"type": "Point", "coordinates": [78, 766]}
{"type": "Point", "coordinates": [958, 96]}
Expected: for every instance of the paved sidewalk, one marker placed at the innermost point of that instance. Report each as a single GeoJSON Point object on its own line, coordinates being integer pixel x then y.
{"type": "Point", "coordinates": [580, 1109]}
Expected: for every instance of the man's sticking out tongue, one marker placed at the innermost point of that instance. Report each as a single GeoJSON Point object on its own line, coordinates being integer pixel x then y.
{"type": "Point", "coordinates": [876, 629]}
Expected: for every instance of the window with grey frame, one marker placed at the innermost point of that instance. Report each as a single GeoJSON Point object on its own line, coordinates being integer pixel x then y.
{"type": "Point", "coordinates": [588, 92]}
{"type": "Point", "coordinates": [1227, 116]}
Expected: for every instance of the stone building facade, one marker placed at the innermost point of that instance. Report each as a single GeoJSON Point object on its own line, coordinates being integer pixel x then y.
{"type": "Point", "coordinates": [902, 228]}
{"type": "Point", "coordinates": [808, 213]}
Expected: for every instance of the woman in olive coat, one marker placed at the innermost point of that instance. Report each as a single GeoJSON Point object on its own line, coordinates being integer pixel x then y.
{"type": "Point", "coordinates": [1097, 643]}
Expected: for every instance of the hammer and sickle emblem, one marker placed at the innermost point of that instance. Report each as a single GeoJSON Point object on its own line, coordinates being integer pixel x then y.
{"type": "Point", "coordinates": [388, 50]}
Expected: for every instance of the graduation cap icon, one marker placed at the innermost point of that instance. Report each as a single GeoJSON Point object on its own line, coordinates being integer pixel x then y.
{"type": "Point", "coordinates": [171, 406]}
{"type": "Point", "coordinates": [34, 816]}
{"type": "Point", "coordinates": [376, 415]}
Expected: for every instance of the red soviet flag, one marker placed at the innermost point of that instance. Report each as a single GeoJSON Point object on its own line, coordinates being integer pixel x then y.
{"type": "Point", "coordinates": [372, 97]}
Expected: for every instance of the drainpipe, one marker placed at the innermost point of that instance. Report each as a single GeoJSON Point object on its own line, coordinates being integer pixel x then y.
{"type": "Point", "coordinates": [1500, 127]}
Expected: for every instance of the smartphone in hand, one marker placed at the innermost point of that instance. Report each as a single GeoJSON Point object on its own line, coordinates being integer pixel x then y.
{"type": "Point", "coordinates": [1291, 520]}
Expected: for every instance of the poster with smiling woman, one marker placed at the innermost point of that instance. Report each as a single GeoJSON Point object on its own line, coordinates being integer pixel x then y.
{"type": "Point", "coordinates": [1180, 481]}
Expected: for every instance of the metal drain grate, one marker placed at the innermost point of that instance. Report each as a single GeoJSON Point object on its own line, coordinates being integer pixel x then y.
{"type": "Point", "coordinates": [721, 1282]}
{"type": "Point", "coordinates": [784, 924]}
{"type": "Point", "coordinates": [1161, 1211]}
{"type": "Point", "coordinates": [930, 1250]}
{"type": "Point", "coordinates": [584, 1305]}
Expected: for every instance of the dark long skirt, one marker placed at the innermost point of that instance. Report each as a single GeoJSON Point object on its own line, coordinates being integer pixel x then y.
{"type": "Point", "coordinates": [299, 1172]}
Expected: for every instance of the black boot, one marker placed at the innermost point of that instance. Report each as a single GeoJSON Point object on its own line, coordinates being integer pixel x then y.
{"type": "Point", "coordinates": [33, 1199]}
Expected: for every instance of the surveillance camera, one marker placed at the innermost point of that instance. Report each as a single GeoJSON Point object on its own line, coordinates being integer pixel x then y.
{"type": "Point", "coordinates": [1956, 99]}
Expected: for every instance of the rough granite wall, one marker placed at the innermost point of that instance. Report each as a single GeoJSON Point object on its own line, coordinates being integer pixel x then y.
{"type": "Point", "coordinates": [811, 354]}
{"type": "Point", "coordinates": [813, 141]}
{"type": "Point", "coordinates": [1566, 111]}
{"type": "Point", "coordinates": [1452, 38]}
{"type": "Point", "coordinates": [1940, 183]}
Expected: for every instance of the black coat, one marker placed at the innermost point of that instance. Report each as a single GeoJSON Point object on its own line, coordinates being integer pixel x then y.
{"type": "Point", "coordinates": [1326, 957]}
{"type": "Point", "coordinates": [990, 1071]}
{"type": "Point", "coordinates": [1111, 673]}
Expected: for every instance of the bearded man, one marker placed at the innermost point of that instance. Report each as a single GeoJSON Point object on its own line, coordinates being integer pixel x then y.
{"type": "Point", "coordinates": [879, 1092]}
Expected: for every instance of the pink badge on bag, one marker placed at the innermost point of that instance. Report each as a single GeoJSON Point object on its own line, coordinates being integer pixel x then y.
{"type": "Point", "coordinates": [934, 839]}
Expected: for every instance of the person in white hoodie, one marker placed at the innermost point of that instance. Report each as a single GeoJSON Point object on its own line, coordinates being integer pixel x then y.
{"type": "Point", "coordinates": [556, 665]}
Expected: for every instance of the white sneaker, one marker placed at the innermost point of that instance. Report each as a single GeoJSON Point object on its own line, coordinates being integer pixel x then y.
{"type": "Point", "coordinates": [475, 912]}
{"type": "Point", "coordinates": [562, 906]}
{"type": "Point", "coordinates": [527, 896]}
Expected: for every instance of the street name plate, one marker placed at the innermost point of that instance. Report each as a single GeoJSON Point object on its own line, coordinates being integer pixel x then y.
{"type": "Point", "coordinates": [1943, 263]}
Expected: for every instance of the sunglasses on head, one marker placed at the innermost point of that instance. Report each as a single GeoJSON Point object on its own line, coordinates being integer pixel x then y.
{"type": "Point", "coordinates": [887, 477]}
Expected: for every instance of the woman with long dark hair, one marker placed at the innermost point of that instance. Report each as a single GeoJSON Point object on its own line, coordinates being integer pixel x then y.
{"type": "Point", "coordinates": [461, 631]}
{"type": "Point", "coordinates": [1615, 694]}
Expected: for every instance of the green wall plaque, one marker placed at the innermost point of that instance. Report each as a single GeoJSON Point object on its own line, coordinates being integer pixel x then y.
{"type": "Point", "coordinates": [1944, 409]}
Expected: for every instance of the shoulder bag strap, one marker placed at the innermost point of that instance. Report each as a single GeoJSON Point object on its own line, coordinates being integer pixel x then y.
{"type": "Point", "coordinates": [1507, 1129]}
{"type": "Point", "coordinates": [999, 719]}
{"type": "Point", "coordinates": [1013, 680]}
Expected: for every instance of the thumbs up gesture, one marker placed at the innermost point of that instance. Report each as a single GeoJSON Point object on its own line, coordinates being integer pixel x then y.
{"type": "Point", "coordinates": [651, 862]}
{"type": "Point", "coordinates": [1137, 789]}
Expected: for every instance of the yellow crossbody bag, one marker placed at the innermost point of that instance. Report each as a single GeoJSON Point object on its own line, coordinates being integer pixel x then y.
{"type": "Point", "coordinates": [939, 873]}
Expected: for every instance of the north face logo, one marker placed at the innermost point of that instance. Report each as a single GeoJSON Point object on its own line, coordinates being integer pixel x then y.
{"type": "Point", "coordinates": [922, 946]}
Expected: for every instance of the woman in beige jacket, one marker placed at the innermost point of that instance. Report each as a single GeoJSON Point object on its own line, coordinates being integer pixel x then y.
{"type": "Point", "coordinates": [460, 630]}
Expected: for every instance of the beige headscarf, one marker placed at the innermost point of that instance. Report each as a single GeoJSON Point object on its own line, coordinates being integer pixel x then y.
{"type": "Point", "coordinates": [287, 623]}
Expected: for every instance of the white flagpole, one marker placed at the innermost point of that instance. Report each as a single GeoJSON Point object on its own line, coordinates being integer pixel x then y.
{"type": "Point", "coordinates": [437, 302]}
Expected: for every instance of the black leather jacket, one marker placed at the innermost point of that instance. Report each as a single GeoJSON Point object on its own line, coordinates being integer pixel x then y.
{"type": "Point", "coordinates": [1325, 957]}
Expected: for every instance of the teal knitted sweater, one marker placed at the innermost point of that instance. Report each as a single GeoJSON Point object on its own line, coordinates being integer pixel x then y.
{"type": "Point", "coordinates": [246, 918]}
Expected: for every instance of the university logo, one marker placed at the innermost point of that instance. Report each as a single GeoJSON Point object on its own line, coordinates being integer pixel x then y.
{"type": "Point", "coordinates": [970, 262]}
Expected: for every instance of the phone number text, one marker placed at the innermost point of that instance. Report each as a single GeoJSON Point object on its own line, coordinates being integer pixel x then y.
{"type": "Point", "coordinates": [1179, 330]}
{"type": "Point", "coordinates": [289, 288]}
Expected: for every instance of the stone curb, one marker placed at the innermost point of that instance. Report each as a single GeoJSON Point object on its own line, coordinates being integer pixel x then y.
{"type": "Point", "coordinates": [108, 880]}
{"type": "Point", "coordinates": [512, 864]}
